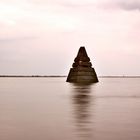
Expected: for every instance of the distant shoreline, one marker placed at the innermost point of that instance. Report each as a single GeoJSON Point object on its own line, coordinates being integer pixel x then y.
{"type": "Point", "coordinates": [55, 76]}
{"type": "Point", "coordinates": [119, 76]}
{"type": "Point", "coordinates": [32, 76]}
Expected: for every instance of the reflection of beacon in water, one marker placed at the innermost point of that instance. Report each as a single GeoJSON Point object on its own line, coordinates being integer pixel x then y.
{"type": "Point", "coordinates": [82, 72]}
{"type": "Point", "coordinates": [81, 102]}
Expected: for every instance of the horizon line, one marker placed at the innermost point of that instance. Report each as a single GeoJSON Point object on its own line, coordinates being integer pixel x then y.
{"type": "Point", "coordinates": [103, 76]}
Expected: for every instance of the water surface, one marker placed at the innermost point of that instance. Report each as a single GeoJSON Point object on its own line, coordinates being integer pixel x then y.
{"type": "Point", "coordinates": [51, 109]}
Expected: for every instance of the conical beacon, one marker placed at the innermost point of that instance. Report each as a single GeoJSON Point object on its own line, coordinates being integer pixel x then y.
{"type": "Point", "coordinates": [82, 71]}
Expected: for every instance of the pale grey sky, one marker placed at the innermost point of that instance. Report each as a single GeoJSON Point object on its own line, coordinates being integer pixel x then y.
{"type": "Point", "coordinates": [43, 36]}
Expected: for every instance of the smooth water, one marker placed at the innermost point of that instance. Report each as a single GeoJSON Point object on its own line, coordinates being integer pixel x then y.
{"type": "Point", "coordinates": [51, 109]}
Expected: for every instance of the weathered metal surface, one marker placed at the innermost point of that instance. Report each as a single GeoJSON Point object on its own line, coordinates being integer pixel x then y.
{"type": "Point", "coordinates": [82, 72]}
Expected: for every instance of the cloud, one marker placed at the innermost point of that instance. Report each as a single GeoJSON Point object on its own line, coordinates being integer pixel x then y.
{"type": "Point", "coordinates": [120, 4]}
{"type": "Point", "coordinates": [123, 4]}
{"type": "Point", "coordinates": [10, 40]}
{"type": "Point", "coordinates": [129, 4]}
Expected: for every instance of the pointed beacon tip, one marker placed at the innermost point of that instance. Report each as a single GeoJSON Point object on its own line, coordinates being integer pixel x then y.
{"type": "Point", "coordinates": [82, 52]}
{"type": "Point", "coordinates": [82, 48]}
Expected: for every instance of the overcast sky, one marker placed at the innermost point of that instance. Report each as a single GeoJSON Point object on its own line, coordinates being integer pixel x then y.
{"type": "Point", "coordinates": [43, 36]}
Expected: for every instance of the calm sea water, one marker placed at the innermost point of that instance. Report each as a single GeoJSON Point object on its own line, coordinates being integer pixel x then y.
{"type": "Point", "coordinates": [51, 109]}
